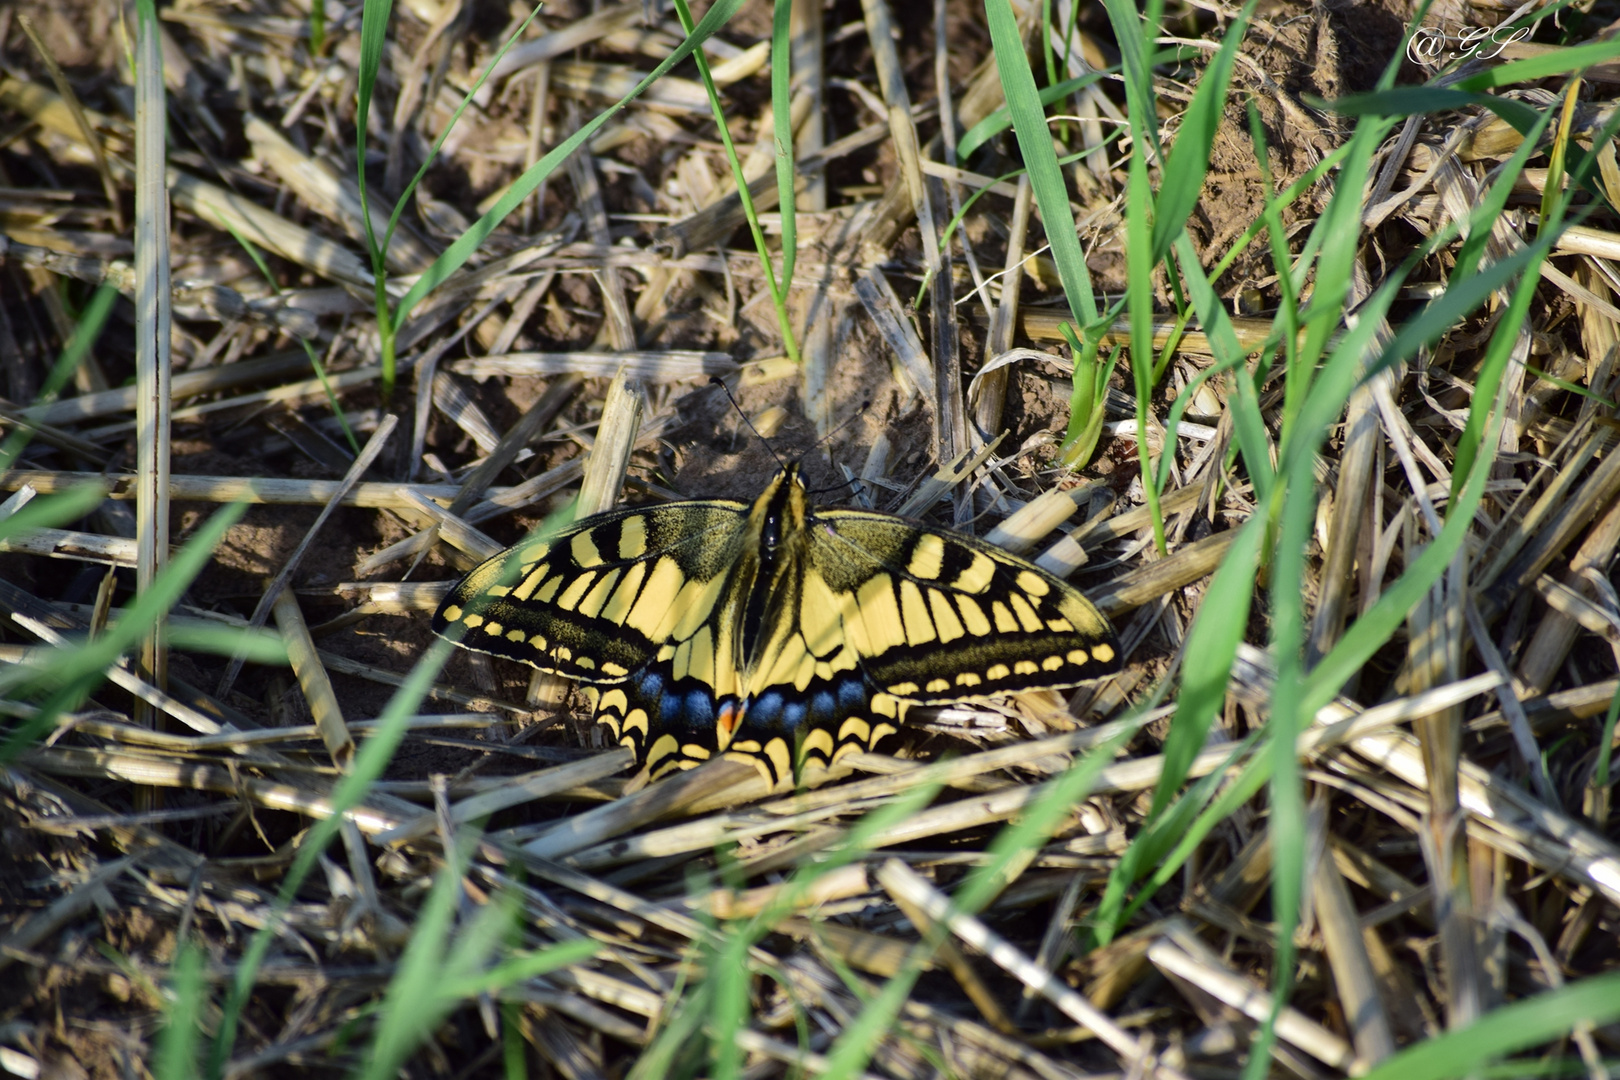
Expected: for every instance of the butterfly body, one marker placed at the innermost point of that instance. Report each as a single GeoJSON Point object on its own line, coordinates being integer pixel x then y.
{"type": "Point", "coordinates": [773, 632]}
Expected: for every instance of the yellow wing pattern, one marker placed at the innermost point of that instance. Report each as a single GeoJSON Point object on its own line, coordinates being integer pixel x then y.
{"type": "Point", "coordinates": [773, 633]}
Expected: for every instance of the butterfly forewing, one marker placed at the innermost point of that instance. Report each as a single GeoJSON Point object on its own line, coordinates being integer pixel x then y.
{"type": "Point", "coordinates": [941, 616]}
{"type": "Point", "coordinates": [602, 598]}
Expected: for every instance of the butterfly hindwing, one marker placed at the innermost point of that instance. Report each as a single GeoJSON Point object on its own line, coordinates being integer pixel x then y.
{"type": "Point", "coordinates": [678, 723]}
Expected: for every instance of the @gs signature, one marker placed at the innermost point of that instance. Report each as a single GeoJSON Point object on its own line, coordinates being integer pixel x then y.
{"type": "Point", "coordinates": [1431, 45]}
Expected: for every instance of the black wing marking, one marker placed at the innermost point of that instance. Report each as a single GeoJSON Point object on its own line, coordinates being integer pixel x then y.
{"type": "Point", "coordinates": [599, 600]}
{"type": "Point", "coordinates": [937, 617]}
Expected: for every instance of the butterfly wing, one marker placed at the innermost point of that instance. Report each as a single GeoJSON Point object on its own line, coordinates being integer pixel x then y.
{"type": "Point", "coordinates": [864, 615]}
{"type": "Point", "coordinates": [935, 616]}
{"type": "Point", "coordinates": [608, 596]}
{"type": "Point", "coordinates": [807, 702]}
{"type": "Point", "coordinates": [880, 613]}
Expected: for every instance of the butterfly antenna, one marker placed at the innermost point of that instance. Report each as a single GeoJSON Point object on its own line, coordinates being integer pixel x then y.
{"type": "Point", "coordinates": [715, 380]}
{"type": "Point", "coordinates": [854, 485]}
{"type": "Point", "coordinates": [842, 424]}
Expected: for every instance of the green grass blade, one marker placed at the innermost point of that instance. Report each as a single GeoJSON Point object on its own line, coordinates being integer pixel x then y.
{"type": "Point", "coordinates": [1035, 144]}
{"type": "Point", "coordinates": [52, 511]}
{"type": "Point", "coordinates": [1497, 355]}
{"type": "Point", "coordinates": [1087, 396]}
{"type": "Point", "coordinates": [1248, 423]}
{"type": "Point", "coordinates": [374, 19]}
{"type": "Point", "coordinates": [373, 39]}
{"type": "Point", "coordinates": [254, 646]}
{"type": "Point", "coordinates": [1495, 201]}
{"type": "Point", "coordinates": [1289, 195]}
{"type": "Point", "coordinates": [1289, 272]}
{"type": "Point", "coordinates": [1135, 48]}
{"type": "Point", "coordinates": [1416, 100]}
{"type": "Point", "coordinates": [317, 27]}
{"type": "Point", "coordinates": [411, 1008]}
{"type": "Point", "coordinates": [1206, 664]}
{"type": "Point", "coordinates": [856, 1043]}
{"type": "Point", "coordinates": [1139, 228]}
{"type": "Point", "coordinates": [315, 364]}
{"type": "Point", "coordinates": [73, 354]}
{"type": "Point", "coordinates": [777, 289]}
{"type": "Point", "coordinates": [728, 1013]}
{"type": "Point", "coordinates": [525, 966]}
{"type": "Point", "coordinates": [1500, 349]}
{"type": "Point", "coordinates": [961, 215]}
{"type": "Point", "coordinates": [1033, 827]}
{"type": "Point", "coordinates": [461, 107]}
{"type": "Point", "coordinates": [369, 762]}
{"type": "Point", "coordinates": [1368, 633]}
{"type": "Point", "coordinates": [859, 1039]}
{"type": "Point", "coordinates": [443, 967]}
{"type": "Point", "coordinates": [1340, 232]}
{"type": "Point", "coordinates": [1296, 696]}
{"type": "Point", "coordinates": [82, 668]}
{"type": "Point", "coordinates": [1556, 62]}
{"type": "Point", "coordinates": [1513, 1027]}
{"type": "Point", "coordinates": [1286, 821]}
{"type": "Point", "coordinates": [1183, 178]}
{"type": "Point", "coordinates": [1183, 400]}
{"type": "Point", "coordinates": [1151, 850]}
{"type": "Point", "coordinates": [1000, 120]}
{"type": "Point", "coordinates": [1572, 388]}
{"type": "Point", "coordinates": [1188, 838]}
{"type": "Point", "coordinates": [177, 1042]}
{"type": "Point", "coordinates": [720, 1002]}
{"type": "Point", "coordinates": [374, 16]}
{"type": "Point", "coordinates": [1600, 770]}
{"type": "Point", "coordinates": [782, 124]}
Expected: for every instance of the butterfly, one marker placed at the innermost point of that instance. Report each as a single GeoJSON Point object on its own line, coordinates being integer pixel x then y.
{"type": "Point", "coordinates": [775, 633]}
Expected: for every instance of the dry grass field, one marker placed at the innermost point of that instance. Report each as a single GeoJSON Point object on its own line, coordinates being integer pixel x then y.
{"type": "Point", "coordinates": [1288, 333]}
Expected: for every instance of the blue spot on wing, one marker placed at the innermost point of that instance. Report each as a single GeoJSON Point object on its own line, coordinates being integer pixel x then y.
{"type": "Point", "coordinates": [689, 710]}
{"type": "Point", "coordinates": [822, 708]}
{"type": "Point", "coordinates": [766, 714]}
{"type": "Point", "coordinates": [796, 716]}
{"type": "Point", "coordinates": [650, 685]}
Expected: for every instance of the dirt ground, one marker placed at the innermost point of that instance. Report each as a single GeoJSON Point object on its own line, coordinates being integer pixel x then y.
{"type": "Point", "coordinates": [84, 999]}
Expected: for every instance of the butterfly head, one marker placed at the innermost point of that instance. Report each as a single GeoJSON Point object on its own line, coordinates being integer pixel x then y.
{"type": "Point", "coordinates": [779, 512]}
